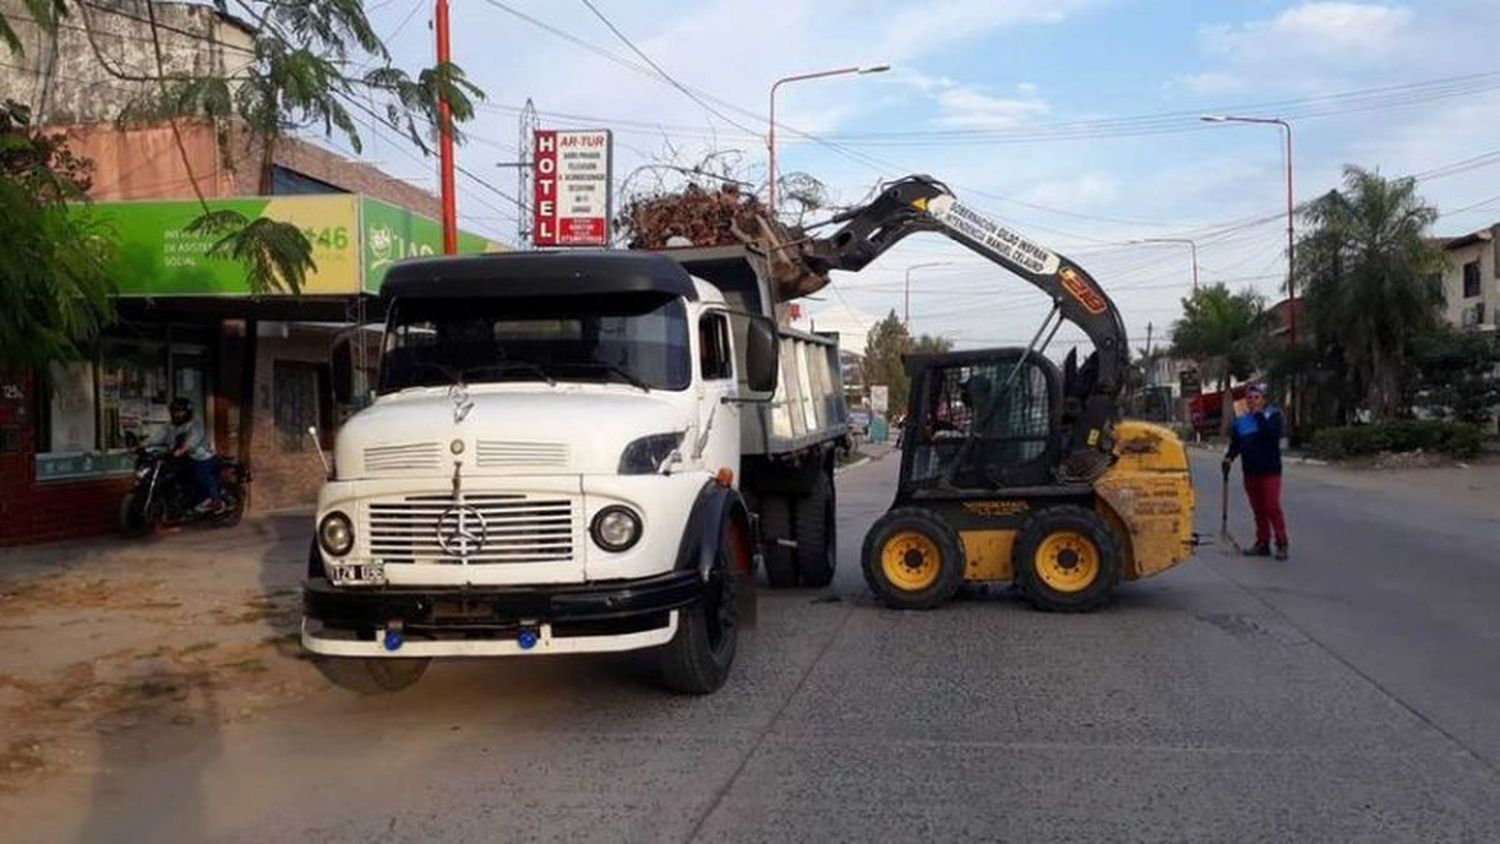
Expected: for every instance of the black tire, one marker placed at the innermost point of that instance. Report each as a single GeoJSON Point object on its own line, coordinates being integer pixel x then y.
{"type": "Point", "coordinates": [813, 525]}
{"type": "Point", "coordinates": [775, 525]}
{"type": "Point", "coordinates": [314, 560]}
{"type": "Point", "coordinates": [135, 520]}
{"type": "Point", "coordinates": [916, 580]}
{"type": "Point", "coordinates": [1067, 575]}
{"type": "Point", "coordinates": [698, 659]}
{"type": "Point", "coordinates": [373, 676]}
{"type": "Point", "coordinates": [235, 496]}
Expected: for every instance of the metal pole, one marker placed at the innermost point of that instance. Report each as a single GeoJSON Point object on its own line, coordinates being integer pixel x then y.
{"type": "Point", "coordinates": [906, 307]}
{"type": "Point", "coordinates": [445, 145]}
{"type": "Point", "coordinates": [1291, 242]}
{"type": "Point", "coordinates": [1192, 245]}
{"type": "Point", "coordinates": [771, 137]}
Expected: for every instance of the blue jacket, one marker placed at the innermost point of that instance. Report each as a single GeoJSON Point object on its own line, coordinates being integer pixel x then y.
{"type": "Point", "coordinates": [1256, 440]}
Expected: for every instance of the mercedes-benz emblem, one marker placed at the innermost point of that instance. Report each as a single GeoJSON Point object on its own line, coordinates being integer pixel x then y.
{"type": "Point", "coordinates": [461, 531]}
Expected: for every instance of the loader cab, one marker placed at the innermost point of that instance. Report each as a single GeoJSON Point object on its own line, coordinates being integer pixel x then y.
{"type": "Point", "coordinates": [981, 420]}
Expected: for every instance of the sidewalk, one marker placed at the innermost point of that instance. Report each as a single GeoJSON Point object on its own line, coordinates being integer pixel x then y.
{"type": "Point", "coordinates": [105, 636]}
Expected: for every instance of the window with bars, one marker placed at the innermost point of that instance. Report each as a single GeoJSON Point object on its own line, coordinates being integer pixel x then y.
{"type": "Point", "coordinates": [298, 404]}
{"type": "Point", "coordinates": [1471, 279]}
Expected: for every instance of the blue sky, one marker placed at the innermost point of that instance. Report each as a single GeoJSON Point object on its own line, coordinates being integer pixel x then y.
{"type": "Point", "coordinates": [983, 89]}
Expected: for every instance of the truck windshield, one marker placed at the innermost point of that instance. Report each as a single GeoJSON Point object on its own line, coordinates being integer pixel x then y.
{"type": "Point", "coordinates": [638, 339]}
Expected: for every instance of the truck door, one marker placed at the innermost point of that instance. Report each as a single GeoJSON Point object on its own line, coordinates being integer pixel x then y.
{"type": "Point", "coordinates": [717, 382]}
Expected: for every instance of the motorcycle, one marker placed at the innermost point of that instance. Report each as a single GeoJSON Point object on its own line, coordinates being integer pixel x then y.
{"type": "Point", "coordinates": [165, 494]}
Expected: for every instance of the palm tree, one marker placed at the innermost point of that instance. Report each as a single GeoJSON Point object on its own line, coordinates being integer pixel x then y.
{"type": "Point", "coordinates": [1219, 330]}
{"type": "Point", "coordinates": [1370, 279]}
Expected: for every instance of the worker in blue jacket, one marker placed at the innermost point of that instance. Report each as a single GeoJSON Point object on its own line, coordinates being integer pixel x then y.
{"type": "Point", "coordinates": [1256, 440]}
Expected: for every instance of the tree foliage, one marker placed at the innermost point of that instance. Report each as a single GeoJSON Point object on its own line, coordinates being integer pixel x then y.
{"type": "Point", "coordinates": [1453, 374]}
{"type": "Point", "coordinates": [54, 281]}
{"type": "Point", "coordinates": [889, 342]}
{"type": "Point", "coordinates": [1220, 330]}
{"type": "Point", "coordinates": [1370, 281]}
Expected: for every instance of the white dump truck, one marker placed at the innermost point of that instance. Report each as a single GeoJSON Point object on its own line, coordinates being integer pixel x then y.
{"type": "Point", "coordinates": [573, 452]}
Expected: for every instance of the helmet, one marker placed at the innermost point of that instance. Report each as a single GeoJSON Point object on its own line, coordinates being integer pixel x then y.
{"type": "Point", "coordinates": [181, 410]}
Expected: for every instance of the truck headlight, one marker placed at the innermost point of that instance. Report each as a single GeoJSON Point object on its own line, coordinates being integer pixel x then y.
{"type": "Point", "coordinates": [646, 455]}
{"type": "Point", "coordinates": [336, 534]}
{"type": "Point", "coordinates": [616, 529]}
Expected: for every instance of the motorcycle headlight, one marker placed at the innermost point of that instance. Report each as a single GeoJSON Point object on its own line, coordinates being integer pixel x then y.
{"type": "Point", "coordinates": [616, 529]}
{"type": "Point", "coordinates": [646, 455]}
{"type": "Point", "coordinates": [336, 534]}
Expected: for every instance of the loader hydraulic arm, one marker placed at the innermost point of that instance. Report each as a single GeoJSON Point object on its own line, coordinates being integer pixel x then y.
{"type": "Point", "coordinates": [923, 204]}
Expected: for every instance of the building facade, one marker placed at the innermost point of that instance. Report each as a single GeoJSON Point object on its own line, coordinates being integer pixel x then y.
{"type": "Point", "coordinates": [252, 363]}
{"type": "Point", "coordinates": [1471, 278]}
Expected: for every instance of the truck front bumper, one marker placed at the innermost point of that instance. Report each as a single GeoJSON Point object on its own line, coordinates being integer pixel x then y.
{"type": "Point", "coordinates": [607, 616]}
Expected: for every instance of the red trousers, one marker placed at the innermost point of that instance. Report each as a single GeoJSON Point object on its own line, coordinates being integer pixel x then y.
{"type": "Point", "coordinates": [1265, 500]}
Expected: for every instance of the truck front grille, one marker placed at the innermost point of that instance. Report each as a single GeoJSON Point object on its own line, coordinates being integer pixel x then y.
{"type": "Point", "coordinates": [408, 457]}
{"type": "Point", "coordinates": [483, 529]}
{"type": "Point", "coordinates": [517, 454]}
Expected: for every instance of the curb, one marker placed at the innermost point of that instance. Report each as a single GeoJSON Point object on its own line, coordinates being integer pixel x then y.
{"type": "Point", "coordinates": [855, 465]}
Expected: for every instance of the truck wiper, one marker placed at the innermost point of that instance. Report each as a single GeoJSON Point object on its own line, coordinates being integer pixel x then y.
{"type": "Point", "coordinates": [507, 365]}
{"type": "Point", "coordinates": [633, 379]}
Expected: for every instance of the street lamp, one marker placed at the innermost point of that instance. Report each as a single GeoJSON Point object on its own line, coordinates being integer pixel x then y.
{"type": "Point", "coordinates": [771, 140]}
{"type": "Point", "coordinates": [906, 307]}
{"type": "Point", "coordinates": [1291, 243]}
{"type": "Point", "coordinates": [1192, 244]}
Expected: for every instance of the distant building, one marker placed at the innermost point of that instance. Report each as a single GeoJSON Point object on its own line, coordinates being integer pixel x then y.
{"type": "Point", "coordinates": [1471, 278]}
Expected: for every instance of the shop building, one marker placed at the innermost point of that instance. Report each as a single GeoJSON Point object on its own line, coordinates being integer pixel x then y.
{"type": "Point", "coordinates": [254, 364]}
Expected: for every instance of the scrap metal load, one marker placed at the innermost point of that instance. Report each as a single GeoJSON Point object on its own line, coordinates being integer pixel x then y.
{"type": "Point", "coordinates": [727, 216]}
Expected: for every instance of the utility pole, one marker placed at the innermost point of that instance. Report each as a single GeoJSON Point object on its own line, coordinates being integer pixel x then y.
{"type": "Point", "coordinates": [445, 140]}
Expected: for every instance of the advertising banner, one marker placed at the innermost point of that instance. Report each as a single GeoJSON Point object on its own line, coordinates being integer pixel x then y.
{"type": "Point", "coordinates": [572, 174]}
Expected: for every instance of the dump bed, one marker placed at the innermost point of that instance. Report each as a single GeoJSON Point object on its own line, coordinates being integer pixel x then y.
{"type": "Point", "coordinates": [808, 407]}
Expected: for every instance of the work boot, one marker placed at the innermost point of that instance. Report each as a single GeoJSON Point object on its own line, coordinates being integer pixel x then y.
{"type": "Point", "coordinates": [1281, 552]}
{"type": "Point", "coordinates": [1259, 549]}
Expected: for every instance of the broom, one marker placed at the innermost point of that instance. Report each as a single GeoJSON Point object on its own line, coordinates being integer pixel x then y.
{"type": "Point", "coordinates": [1224, 535]}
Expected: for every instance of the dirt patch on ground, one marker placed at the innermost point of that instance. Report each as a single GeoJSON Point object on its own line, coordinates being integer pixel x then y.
{"type": "Point", "coordinates": [248, 660]}
{"type": "Point", "coordinates": [67, 591]}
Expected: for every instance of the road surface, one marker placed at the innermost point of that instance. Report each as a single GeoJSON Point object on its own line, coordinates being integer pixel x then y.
{"type": "Point", "coordinates": [1350, 694]}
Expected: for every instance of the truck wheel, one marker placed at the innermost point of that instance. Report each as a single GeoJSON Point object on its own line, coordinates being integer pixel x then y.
{"type": "Point", "coordinates": [1067, 560]}
{"type": "Point", "coordinates": [371, 676]}
{"type": "Point", "coordinates": [817, 550]}
{"type": "Point", "coordinates": [776, 524]}
{"type": "Point", "coordinates": [314, 560]}
{"type": "Point", "coordinates": [698, 659]}
{"type": "Point", "coordinates": [912, 559]}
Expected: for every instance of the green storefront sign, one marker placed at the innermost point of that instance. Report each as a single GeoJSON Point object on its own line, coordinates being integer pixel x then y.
{"type": "Point", "coordinates": [354, 240]}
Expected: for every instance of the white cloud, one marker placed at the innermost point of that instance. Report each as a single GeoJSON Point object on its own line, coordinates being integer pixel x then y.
{"type": "Point", "coordinates": [966, 108]}
{"type": "Point", "coordinates": [1303, 45]}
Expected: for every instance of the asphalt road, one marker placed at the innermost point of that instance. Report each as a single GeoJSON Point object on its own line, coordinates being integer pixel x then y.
{"type": "Point", "coordinates": [1352, 693]}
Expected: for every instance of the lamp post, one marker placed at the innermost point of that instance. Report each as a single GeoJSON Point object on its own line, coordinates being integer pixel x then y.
{"type": "Point", "coordinates": [1192, 244]}
{"type": "Point", "coordinates": [906, 297]}
{"type": "Point", "coordinates": [771, 139]}
{"type": "Point", "coordinates": [1291, 241]}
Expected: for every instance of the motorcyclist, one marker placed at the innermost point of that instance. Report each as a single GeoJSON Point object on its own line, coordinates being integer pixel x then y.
{"type": "Point", "coordinates": [187, 438]}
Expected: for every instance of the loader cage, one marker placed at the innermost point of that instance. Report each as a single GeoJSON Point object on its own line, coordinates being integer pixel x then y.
{"type": "Point", "coordinates": [979, 420]}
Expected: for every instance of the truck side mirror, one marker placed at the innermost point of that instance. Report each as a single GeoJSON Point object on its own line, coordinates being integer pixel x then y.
{"type": "Point", "coordinates": [341, 368]}
{"type": "Point", "coordinates": [761, 355]}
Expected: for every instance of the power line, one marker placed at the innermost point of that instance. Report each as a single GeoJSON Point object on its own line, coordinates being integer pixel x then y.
{"type": "Point", "coordinates": [658, 68]}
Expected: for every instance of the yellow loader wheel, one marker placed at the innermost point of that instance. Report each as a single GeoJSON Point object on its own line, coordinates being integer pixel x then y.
{"type": "Point", "coordinates": [1067, 560]}
{"type": "Point", "coordinates": [912, 559]}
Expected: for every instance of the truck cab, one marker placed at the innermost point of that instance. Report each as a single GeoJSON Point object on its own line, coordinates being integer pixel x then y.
{"type": "Point", "coordinates": [551, 463]}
